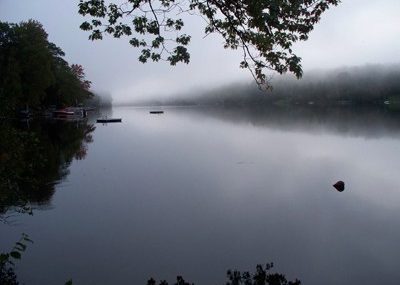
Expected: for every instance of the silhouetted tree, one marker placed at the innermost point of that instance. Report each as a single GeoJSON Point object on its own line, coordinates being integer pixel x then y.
{"type": "Point", "coordinates": [261, 276]}
{"type": "Point", "coordinates": [264, 30]}
{"type": "Point", "coordinates": [7, 261]}
{"type": "Point", "coordinates": [33, 72]}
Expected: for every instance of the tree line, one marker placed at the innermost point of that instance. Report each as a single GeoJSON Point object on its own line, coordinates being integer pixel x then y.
{"type": "Point", "coordinates": [370, 85]}
{"type": "Point", "coordinates": [33, 72]}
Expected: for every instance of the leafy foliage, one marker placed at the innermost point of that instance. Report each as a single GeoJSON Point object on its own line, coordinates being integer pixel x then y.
{"type": "Point", "coordinates": [33, 72]}
{"type": "Point", "coordinates": [7, 261]}
{"type": "Point", "coordinates": [261, 276]}
{"type": "Point", "coordinates": [179, 281]}
{"type": "Point", "coordinates": [265, 31]}
{"type": "Point", "coordinates": [77, 70]}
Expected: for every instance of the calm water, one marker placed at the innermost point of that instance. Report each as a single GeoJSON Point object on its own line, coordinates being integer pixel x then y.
{"type": "Point", "coordinates": [197, 191]}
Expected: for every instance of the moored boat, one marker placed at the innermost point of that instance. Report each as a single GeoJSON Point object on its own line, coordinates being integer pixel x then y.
{"type": "Point", "coordinates": [109, 120]}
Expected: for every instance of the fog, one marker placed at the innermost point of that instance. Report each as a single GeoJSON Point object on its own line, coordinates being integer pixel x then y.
{"type": "Point", "coordinates": [354, 33]}
{"type": "Point", "coordinates": [366, 85]}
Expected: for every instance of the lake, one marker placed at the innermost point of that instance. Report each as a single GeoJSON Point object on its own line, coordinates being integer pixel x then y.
{"type": "Point", "coordinates": [197, 191]}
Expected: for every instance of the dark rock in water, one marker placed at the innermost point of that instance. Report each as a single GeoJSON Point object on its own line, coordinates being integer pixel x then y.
{"type": "Point", "coordinates": [339, 186]}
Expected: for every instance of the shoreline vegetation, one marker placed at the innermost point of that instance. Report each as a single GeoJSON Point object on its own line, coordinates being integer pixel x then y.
{"type": "Point", "coordinates": [369, 85]}
{"type": "Point", "coordinates": [35, 79]}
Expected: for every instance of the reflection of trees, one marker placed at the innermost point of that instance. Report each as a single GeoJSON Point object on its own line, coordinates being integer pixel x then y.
{"type": "Point", "coordinates": [352, 121]}
{"type": "Point", "coordinates": [33, 160]}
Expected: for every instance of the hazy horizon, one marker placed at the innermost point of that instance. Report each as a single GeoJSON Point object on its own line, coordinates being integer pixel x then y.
{"type": "Point", "coordinates": [353, 33]}
{"type": "Point", "coordinates": [382, 79]}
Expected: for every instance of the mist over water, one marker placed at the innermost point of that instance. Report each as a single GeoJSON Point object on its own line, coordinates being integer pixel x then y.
{"type": "Point", "coordinates": [227, 177]}
{"type": "Point", "coordinates": [371, 84]}
{"type": "Point", "coordinates": [196, 191]}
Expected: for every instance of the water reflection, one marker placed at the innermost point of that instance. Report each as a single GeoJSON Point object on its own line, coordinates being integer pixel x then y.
{"type": "Point", "coordinates": [34, 158]}
{"type": "Point", "coordinates": [364, 121]}
{"type": "Point", "coordinates": [196, 191]}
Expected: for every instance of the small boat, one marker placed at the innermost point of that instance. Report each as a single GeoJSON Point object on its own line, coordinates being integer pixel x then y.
{"type": "Point", "coordinates": [156, 112]}
{"type": "Point", "coordinates": [109, 120]}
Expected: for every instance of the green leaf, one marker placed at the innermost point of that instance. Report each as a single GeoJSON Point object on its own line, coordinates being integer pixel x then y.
{"type": "Point", "coordinates": [134, 42]}
{"type": "Point", "coordinates": [28, 239]}
{"type": "Point", "coordinates": [3, 258]}
{"type": "Point", "coordinates": [20, 246]}
{"type": "Point", "coordinates": [86, 26]}
{"type": "Point", "coordinates": [15, 254]}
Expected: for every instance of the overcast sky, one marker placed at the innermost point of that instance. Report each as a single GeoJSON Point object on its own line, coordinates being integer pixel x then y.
{"type": "Point", "coordinates": [356, 32]}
